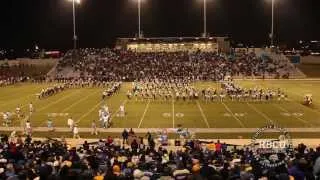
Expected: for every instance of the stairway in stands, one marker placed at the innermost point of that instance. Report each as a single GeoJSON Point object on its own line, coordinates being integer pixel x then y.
{"type": "Point", "coordinates": [295, 73]}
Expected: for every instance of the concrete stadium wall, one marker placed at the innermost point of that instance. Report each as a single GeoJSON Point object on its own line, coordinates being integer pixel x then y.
{"type": "Point", "coordinates": [310, 59]}
{"type": "Point", "coordinates": [31, 61]}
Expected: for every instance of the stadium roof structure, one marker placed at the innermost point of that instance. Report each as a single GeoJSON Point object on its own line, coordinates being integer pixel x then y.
{"type": "Point", "coordinates": [172, 39]}
{"type": "Point", "coordinates": [221, 43]}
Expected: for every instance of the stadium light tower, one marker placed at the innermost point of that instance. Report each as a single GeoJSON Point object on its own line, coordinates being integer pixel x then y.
{"type": "Point", "coordinates": [74, 22]}
{"type": "Point", "coordinates": [205, 34]}
{"type": "Point", "coordinates": [272, 23]}
{"type": "Point", "coordinates": [205, 18]}
{"type": "Point", "coordinates": [139, 18]}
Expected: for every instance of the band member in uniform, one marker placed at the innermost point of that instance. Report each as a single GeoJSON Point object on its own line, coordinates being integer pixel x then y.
{"type": "Point", "coordinates": [31, 108]}
{"type": "Point", "coordinates": [94, 130]}
{"type": "Point", "coordinates": [105, 118]}
{"type": "Point", "coordinates": [177, 95]}
{"type": "Point", "coordinates": [122, 111]}
{"type": "Point", "coordinates": [129, 94]}
{"type": "Point", "coordinates": [76, 132]}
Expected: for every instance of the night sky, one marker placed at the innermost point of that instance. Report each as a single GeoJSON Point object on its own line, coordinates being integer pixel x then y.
{"type": "Point", "coordinates": [48, 23]}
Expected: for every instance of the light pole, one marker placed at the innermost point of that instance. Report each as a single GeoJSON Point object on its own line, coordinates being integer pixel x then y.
{"type": "Point", "coordinates": [272, 23]}
{"type": "Point", "coordinates": [205, 18]}
{"type": "Point", "coordinates": [74, 22]}
{"type": "Point", "coordinates": [139, 19]}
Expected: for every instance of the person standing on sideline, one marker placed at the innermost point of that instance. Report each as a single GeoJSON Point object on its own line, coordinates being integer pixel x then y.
{"type": "Point", "coordinates": [50, 124]}
{"type": "Point", "coordinates": [125, 136]}
{"type": "Point", "coordinates": [18, 111]}
{"type": "Point", "coordinates": [28, 129]}
{"type": "Point", "coordinates": [94, 130]}
{"type": "Point", "coordinates": [76, 132]}
{"type": "Point", "coordinates": [5, 119]}
{"type": "Point", "coordinates": [70, 123]}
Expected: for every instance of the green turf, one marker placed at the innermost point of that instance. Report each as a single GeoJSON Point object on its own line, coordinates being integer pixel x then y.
{"type": "Point", "coordinates": [83, 105]}
{"type": "Point", "coordinates": [171, 136]}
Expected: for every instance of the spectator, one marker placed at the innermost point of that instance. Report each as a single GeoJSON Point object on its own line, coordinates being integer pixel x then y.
{"type": "Point", "coordinates": [134, 145]}
{"type": "Point", "coordinates": [125, 136]}
{"type": "Point", "coordinates": [52, 159]}
{"type": "Point", "coordinates": [115, 65]}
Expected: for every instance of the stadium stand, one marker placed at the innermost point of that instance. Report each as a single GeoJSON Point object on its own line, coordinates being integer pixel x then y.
{"type": "Point", "coordinates": [309, 65]}
{"type": "Point", "coordinates": [114, 159]}
{"type": "Point", "coordinates": [107, 64]}
{"type": "Point", "coordinates": [25, 69]}
{"type": "Point", "coordinates": [110, 159]}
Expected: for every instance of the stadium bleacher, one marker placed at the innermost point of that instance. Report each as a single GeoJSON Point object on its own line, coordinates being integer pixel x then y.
{"type": "Point", "coordinates": [114, 159]}
{"type": "Point", "coordinates": [126, 65]}
{"type": "Point", "coordinates": [117, 159]}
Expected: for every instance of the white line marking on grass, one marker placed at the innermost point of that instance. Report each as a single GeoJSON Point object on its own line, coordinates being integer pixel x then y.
{"type": "Point", "coordinates": [88, 112]}
{"type": "Point", "coordinates": [23, 121]}
{"type": "Point", "coordinates": [75, 103]}
{"type": "Point", "coordinates": [117, 111]}
{"type": "Point", "coordinates": [285, 110]}
{"type": "Point", "coordinates": [313, 110]}
{"type": "Point", "coordinates": [79, 101]}
{"type": "Point", "coordinates": [14, 101]}
{"type": "Point", "coordinates": [228, 109]}
{"type": "Point", "coordinates": [93, 108]}
{"type": "Point", "coordinates": [112, 115]}
{"type": "Point", "coordinates": [202, 114]}
{"type": "Point", "coordinates": [144, 114]}
{"type": "Point", "coordinates": [173, 113]}
{"type": "Point", "coordinates": [57, 101]}
{"type": "Point", "coordinates": [261, 113]}
{"type": "Point", "coordinates": [297, 94]}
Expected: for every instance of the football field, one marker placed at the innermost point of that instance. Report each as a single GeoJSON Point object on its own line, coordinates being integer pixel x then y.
{"type": "Point", "coordinates": [83, 105]}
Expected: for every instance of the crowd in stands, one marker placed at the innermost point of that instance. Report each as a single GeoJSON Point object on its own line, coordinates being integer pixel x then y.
{"type": "Point", "coordinates": [113, 65]}
{"type": "Point", "coordinates": [110, 160]}
{"type": "Point", "coordinates": [23, 72]}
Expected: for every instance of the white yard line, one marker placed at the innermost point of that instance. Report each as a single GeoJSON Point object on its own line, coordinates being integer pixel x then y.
{"type": "Point", "coordinates": [144, 114]}
{"type": "Point", "coordinates": [285, 110]}
{"type": "Point", "coordinates": [50, 104]}
{"type": "Point", "coordinates": [112, 115]}
{"type": "Point", "coordinates": [173, 113]}
{"type": "Point", "coordinates": [228, 109]}
{"type": "Point", "coordinates": [79, 101]}
{"type": "Point", "coordinates": [297, 94]}
{"type": "Point", "coordinates": [88, 112]}
{"type": "Point", "coordinates": [93, 108]}
{"type": "Point", "coordinates": [23, 121]}
{"type": "Point", "coordinates": [12, 96]}
{"type": "Point", "coordinates": [310, 109]}
{"type": "Point", "coordinates": [75, 103]}
{"type": "Point", "coordinates": [261, 113]}
{"type": "Point", "coordinates": [202, 114]}
{"type": "Point", "coordinates": [14, 101]}
{"type": "Point", "coordinates": [170, 130]}
{"type": "Point", "coordinates": [57, 101]}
